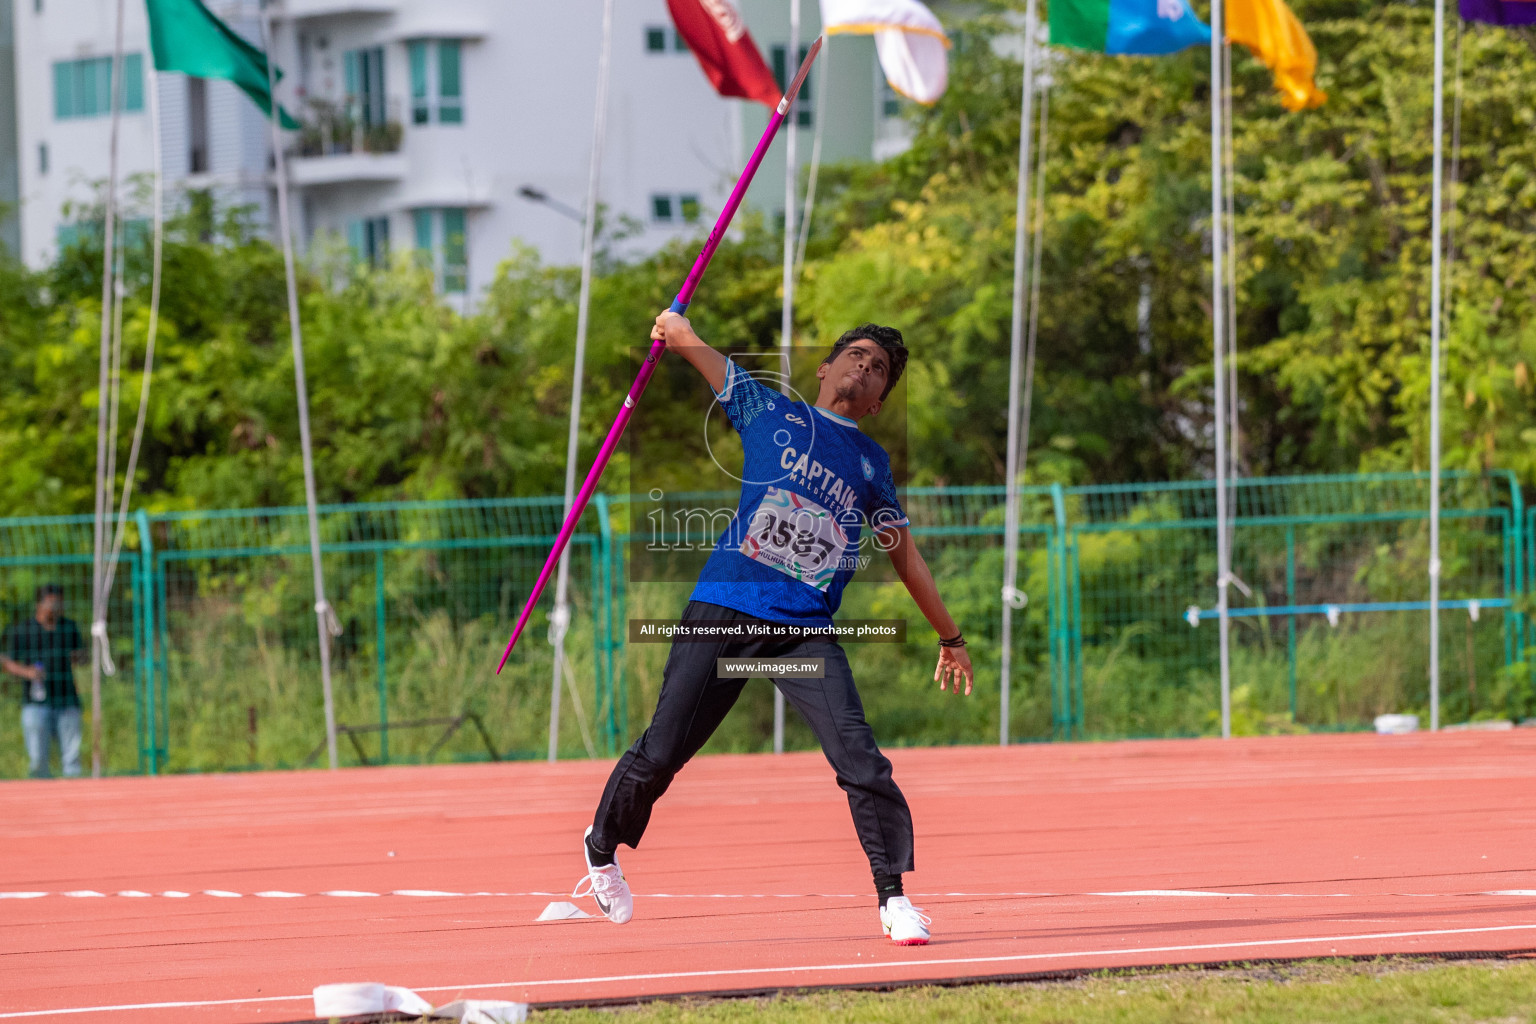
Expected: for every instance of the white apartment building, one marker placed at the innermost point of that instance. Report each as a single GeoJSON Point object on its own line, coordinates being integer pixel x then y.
{"type": "Point", "coordinates": [458, 128]}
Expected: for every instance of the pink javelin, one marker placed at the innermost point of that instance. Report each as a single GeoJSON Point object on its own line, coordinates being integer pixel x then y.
{"type": "Point", "coordinates": [648, 369]}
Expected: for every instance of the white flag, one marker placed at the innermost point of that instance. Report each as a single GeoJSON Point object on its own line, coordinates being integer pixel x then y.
{"type": "Point", "coordinates": [908, 38]}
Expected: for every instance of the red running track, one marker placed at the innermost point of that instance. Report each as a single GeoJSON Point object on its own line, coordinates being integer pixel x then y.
{"type": "Point", "coordinates": [1030, 859]}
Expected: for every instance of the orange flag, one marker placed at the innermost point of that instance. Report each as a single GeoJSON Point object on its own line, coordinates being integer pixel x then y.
{"type": "Point", "coordinates": [1271, 32]}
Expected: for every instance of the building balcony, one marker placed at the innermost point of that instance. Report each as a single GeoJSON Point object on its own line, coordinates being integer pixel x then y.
{"type": "Point", "coordinates": [343, 143]}
{"type": "Point", "coordinates": [298, 9]}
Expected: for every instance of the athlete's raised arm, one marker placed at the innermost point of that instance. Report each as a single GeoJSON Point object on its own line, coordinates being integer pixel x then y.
{"type": "Point", "coordinates": [954, 663]}
{"type": "Point", "coordinates": [677, 332]}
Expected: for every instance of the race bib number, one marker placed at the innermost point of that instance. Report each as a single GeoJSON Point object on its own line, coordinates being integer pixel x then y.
{"type": "Point", "coordinates": [796, 536]}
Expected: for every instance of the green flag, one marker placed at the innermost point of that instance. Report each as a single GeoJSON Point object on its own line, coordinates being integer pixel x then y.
{"type": "Point", "coordinates": [186, 37]}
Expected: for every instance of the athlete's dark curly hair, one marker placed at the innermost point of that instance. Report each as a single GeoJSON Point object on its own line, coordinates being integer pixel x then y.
{"type": "Point", "coordinates": [888, 338]}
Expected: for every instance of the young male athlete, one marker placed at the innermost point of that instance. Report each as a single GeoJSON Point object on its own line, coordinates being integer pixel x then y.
{"type": "Point", "coordinates": [812, 481]}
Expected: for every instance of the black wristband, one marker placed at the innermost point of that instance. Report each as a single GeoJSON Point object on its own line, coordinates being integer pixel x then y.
{"type": "Point", "coordinates": [958, 640]}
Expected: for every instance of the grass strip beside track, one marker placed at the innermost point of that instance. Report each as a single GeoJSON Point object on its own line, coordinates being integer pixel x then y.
{"type": "Point", "coordinates": [1390, 990]}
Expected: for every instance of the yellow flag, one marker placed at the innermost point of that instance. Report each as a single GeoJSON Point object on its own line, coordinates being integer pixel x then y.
{"type": "Point", "coordinates": [1271, 32]}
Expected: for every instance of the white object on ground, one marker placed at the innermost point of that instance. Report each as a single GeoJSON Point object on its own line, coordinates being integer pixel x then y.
{"type": "Point", "coordinates": [562, 912]}
{"type": "Point", "coordinates": [352, 999]}
{"type": "Point", "coordinates": [1396, 725]}
{"type": "Point", "coordinates": [483, 1011]}
{"type": "Point", "coordinates": [1491, 725]}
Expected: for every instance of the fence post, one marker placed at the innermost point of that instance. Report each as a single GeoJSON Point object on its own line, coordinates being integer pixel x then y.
{"type": "Point", "coordinates": [381, 656]}
{"type": "Point", "coordinates": [602, 620]}
{"type": "Point", "coordinates": [1061, 660]}
{"type": "Point", "coordinates": [1290, 618]}
{"type": "Point", "coordinates": [1514, 623]}
{"type": "Point", "coordinates": [150, 750]}
{"type": "Point", "coordinates": [141, 651]}
{"type": "Point", "coordinates": [1075, 694]}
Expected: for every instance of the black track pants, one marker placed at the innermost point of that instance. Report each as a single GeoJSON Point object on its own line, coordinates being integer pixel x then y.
{"type": "Point", "coordinates": [693, 703]}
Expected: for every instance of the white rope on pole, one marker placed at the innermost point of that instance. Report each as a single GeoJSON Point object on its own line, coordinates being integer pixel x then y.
{"type": "Point", "coordinates": [326, 624]}
{"type": "Point", "coordinates": [103, 387]}
{"type": "Point", "coordinates": [1229, 161]}
{"type": "Point", "coordinates": [1234, 410]}
{"type": "Point", "coordinates": [149, 344]}
{"type": "Point", "coordinates": [1218, 346]}
{"type": "Point", "coordinates": [787, 318]}
{"type": "Point", "coordinates": [1435, 232]}
{"type": "Point", "coordinates": [1010, 591]}
{"type": "Point", "coordinates": [560, 619]}
{"type": "Point", "coordinates": [1043, 87]}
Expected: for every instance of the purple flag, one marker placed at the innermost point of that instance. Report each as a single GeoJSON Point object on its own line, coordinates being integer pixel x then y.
{"type": "Point", "coordinates": [1500, 12]}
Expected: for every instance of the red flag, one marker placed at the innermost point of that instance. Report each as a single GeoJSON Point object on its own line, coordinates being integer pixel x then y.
{"type": "Point", "coordinates": [714, 31]}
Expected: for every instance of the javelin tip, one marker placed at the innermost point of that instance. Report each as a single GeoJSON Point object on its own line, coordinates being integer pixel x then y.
{"type": "Point", "coordinates": [805, 69]}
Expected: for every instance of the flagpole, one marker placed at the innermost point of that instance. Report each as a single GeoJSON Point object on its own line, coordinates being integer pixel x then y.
{"type": "Point", "coordinates": [1218, 324]}
{"type": "Point", "coordinates": [787, 319]}
{"type": "Point", "coordinates": [325, 618]}
{"type": "Point", "coordinates": [1435, 230]}
{"type": "Point", "coordinates": [1012, 598]}
{"type": "Point", "coordinates": [99, 527]}
{"type": "Point", "coordinates": [560, 619]}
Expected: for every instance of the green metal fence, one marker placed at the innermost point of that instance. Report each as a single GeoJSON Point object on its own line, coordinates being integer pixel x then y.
{"type": "Point", "coordinates": [214, 629]}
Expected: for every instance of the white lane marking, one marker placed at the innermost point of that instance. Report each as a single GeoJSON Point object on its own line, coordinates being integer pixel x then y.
{"type": "Point", "coordinates": [1169, 892]}
{"type": "Point", "coordinates": [1113, 894]}
{"type": "Point", "coordinates": [863, 965]}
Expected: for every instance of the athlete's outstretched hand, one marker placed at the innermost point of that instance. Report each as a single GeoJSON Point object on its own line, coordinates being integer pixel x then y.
{"type": "Point", "coordinates": [953, 664]}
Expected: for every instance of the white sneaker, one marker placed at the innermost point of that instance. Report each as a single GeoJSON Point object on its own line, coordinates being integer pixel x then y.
{"type": "Point", "coordinates": [606, 885]}
{"type": "Point", "coordinates": [905, 924]}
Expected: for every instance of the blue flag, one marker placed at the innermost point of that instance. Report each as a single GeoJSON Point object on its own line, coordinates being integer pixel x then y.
{"type": "Point", "coordinates": [1133, 27]}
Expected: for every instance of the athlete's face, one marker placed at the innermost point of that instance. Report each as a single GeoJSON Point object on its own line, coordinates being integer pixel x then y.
{"type": "Point", "coordinates": [858, 375]}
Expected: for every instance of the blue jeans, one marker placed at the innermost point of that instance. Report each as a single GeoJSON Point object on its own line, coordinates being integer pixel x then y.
{"type": "Point", "coordinates": [42, 725]}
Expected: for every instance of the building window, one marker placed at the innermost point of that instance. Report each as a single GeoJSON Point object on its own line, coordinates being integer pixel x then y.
{"type": "Point", "coordinates": [197, 125]}
{"type": "Point", "coordinates": [781, 73]}
{"type": "Point", "coordinates": [364, 73]}
{"type": "Point", "coordinates": [670, 209]}
{"type": "Point", "coordinates": [369, 240]}
{"type": "Point", "coordinates": [83, 88]}
{"type": "Point", "coordinates": [437, 88]}
{"type": "Point", "coordinates": [656, 37]}
{"type": "Point", "coordinates": [442, 244]}
{"type": "Point", "coordinates": [890, 99]}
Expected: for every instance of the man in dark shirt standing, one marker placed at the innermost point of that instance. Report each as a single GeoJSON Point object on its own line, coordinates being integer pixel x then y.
{"type": "Point", "coordinates": [41, 651]}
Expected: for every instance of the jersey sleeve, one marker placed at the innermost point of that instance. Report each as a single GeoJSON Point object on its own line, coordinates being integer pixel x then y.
{"type": "Point", "coordinates": [886, 511]}
{"type": "Point", "coordinates": [744, 398]}
{"type": "Point", "coordinates": [74, 641]}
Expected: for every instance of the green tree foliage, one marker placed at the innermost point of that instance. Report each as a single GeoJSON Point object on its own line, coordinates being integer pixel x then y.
{"type": "Point", "coordinates": [412, 399]}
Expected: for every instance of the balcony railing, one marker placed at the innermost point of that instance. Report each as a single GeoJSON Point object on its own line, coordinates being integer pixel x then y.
{"type": "Point", "coordinates": [333, 8]}
{"type": "Point", "coordinates": [332, 129]}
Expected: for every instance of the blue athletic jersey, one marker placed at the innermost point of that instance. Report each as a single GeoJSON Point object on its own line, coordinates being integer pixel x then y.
{"type": "Point", "coordinates": [812, 482]}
